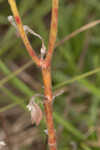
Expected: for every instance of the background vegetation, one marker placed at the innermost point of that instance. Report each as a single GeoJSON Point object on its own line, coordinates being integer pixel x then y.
{"type": "Point", "coordinates": [76, 112]}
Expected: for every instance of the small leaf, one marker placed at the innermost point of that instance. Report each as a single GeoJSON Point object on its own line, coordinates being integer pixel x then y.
{"type": "Point", "coordinates": [36, 113]}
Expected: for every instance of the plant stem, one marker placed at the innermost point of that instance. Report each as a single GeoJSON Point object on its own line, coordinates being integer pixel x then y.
{"type": "Point", "coordinates": [44, 64]}
{"type": "Point", "coordinates": [53, 30]}
{"type": "Point", "coordinates": [46, 73]}
{"type": "Point", "coordinates": [22, 32]}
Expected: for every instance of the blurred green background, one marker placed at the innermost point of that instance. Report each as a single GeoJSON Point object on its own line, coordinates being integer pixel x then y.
{"type": "Point", "coordinates": [76, 111]}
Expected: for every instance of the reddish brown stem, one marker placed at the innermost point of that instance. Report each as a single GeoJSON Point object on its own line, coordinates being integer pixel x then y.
{"type": "Point", "coordinates": [22, 32]}
{"type": "Point", "coordinates": [46, 73]}
{"type": "Point", "coordinates": [53, 30]}
{"type": "Point", "coordinates": [48, 108]}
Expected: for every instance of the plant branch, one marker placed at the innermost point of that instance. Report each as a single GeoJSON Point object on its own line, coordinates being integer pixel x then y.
{"type": "Point", "coordinates": [22, 32]}
{"type": "Point", "coordinates": [53, 30]}
{"type": "Point", "coordinates": [46, 73]}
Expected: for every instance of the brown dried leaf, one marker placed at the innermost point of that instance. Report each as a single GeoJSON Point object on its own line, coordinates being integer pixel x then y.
{"type": "Point", "coordinates": [36, 113]}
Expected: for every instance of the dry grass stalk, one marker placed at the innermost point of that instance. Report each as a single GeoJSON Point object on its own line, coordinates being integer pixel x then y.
{"type": "Point", "coordinates": [81, 29]}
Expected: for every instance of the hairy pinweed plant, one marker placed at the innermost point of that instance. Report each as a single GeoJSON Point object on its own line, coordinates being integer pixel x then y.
{"type": "Point", "coordinates": [44, 64]}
